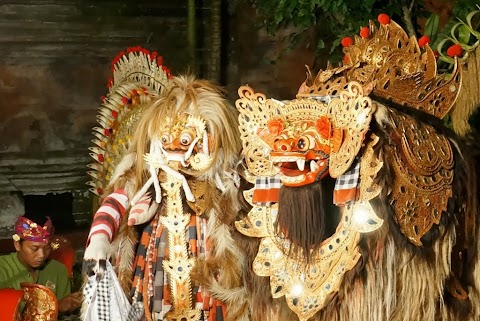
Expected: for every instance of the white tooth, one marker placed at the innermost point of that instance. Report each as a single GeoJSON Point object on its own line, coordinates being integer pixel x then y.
{"type": "Point", "coordinates": [301, 164]}
{"type": "Point", "coordinates": [314, 166]}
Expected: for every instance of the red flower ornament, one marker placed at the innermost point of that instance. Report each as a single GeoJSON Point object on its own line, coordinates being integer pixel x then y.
{"type": "Point", "coordinates": [384, 18]}
{"type": "Point", "coordinates": [423, 41]}
{"type": "Point", "coordinates": [455, 50]}
{"type": "Point", "coordinates": [364, 32]}
{"type": "Point", "coordinates": [347, 41]}
{"type": "Point", "coordinates": [323, 127]}
{"type": "Point", "coordinates": [275, 126]}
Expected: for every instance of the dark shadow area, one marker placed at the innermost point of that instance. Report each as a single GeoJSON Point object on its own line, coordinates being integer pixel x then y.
{"type": "Point", "coordinates": [59, 207]}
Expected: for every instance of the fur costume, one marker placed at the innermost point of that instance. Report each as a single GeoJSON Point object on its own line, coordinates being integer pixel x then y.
{"type": "Point", "coordinates": [365, 204]}
{"type": "Point", "coordinates": [167, 157]}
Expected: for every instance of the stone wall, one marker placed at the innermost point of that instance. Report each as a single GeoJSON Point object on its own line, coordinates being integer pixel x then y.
{"type": "Point", "coordinates": [263, 61]}
{"type": "Point", "coordinates": [54, 64]}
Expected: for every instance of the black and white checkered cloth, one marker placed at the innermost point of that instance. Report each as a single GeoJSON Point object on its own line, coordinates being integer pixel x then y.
{"type": "Point", "coordinates": [268, 182]}
{"type": "Point", "coordinates": [106, 301]}
{"type": "Point", "coordinates": [266, 190]}
{"type": "Point", "coordinates": [350, 178]}
{"type": "Point", "coordinates": [347, 184]}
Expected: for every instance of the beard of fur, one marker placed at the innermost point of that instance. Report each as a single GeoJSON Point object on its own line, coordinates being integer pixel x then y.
{"type": "Point", "coordinates": [303, 217]}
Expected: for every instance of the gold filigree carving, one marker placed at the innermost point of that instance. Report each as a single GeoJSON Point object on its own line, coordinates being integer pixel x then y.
{"type": "Point", "coordinates": [260, 219]}
{"type": "Point", "coordinates": [369, 167]}
{"type": "Point", "coordinates": [306, 286]}
{"type": "Point", "coordinates": [423, 163]}
{"type": "Point", "coordinates": [198, 189]}
{"type": "Point", "coordinates": [352, 112]}
{"type": "Point", "coordinates": [255, 110]}
{"type": "Point", "coordinates": [179, 264]}
{"type": "Point", "coordinates": [400, 70]}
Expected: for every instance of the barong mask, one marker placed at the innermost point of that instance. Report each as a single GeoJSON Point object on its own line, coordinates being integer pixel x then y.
{"type": "Point", "coordinates": [327, 131]}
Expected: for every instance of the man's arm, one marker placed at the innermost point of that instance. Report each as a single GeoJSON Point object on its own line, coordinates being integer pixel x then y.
{"type": "Point", "coordinates": [10, 276]}
{"type": "Point", "coordinates": [12, 282]}
{"type": "Point", "coordinates": [67, 302]}
{"type": "Point", "coordinates": [63, 286]}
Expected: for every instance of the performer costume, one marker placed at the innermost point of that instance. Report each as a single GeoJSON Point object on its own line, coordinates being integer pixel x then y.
{"type": "Point", "coordinates": [365, 205]}
{"type": "Point", "coordinates": [166, 161]}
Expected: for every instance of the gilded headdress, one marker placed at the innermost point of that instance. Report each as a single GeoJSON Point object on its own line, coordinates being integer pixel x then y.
{"type": "Point", "coordinates": [398, 68]}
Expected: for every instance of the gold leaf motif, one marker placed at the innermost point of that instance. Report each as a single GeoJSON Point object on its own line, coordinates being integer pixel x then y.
{"type": "Point", "coordinates": [423, 163]}
{"type": "Point", "coordinates": [178, 265]}
{"type": "Point", "coordinates": [400, 70]}
{"type": "Point", "coordinates": [255, 110]}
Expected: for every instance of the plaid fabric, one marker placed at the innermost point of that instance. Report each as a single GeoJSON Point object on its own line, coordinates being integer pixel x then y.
{"type": "Point", "coordinates": [151, 283]}
{"type": "Point", "coordinates": [136, 312]}
{"type": "Point", "coordinates": [106, 301]}
{"type": "Point", "coordinates": [103, 298]}
{"type": "Point", "coordinates": [97, 296]}
{"type": "Point", "coordinates": [161, 296]}
{"type": "Point", "coordinates": [346, 186]}
{"type": "Point", "coordinates": [267, 190]}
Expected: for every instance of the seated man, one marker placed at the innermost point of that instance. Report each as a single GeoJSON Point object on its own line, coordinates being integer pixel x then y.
{"type": "Point", "coordinates": [30, 262]}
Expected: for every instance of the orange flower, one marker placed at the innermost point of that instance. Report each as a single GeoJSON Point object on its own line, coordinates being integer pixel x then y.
{"type": "Point", "coordinates": [455, 50]}
{"type": "Point", "coordinates": [347, 41]}
{"type": "Point", "coordinates": [423, 41]}
{"type": "Point", "coordinates": [384, 18]}
{"type": "Point", "coordinates": [364, 32]}
{"type": "Point", "coordinates": [323, 126]}
{"type": "Point", "coordinates": [275, 126]}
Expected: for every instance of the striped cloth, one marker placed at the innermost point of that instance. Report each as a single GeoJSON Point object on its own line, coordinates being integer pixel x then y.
{"type": "Point", "coordinates": [150, 283]}
{"type": "Point", "coordinates": [108, 216]}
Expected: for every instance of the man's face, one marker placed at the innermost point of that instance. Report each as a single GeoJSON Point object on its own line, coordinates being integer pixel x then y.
{"type": "Point", "coordinates": [32, 254]}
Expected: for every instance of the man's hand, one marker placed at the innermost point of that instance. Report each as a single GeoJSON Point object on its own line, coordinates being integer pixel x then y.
{"type": "Point", "coordinates": [96, 254]}
{"type": "Point", "coordinates": [70, 302]}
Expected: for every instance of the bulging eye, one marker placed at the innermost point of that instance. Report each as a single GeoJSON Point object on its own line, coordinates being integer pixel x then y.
{"type": "Point", "coordinates": [186, 139]}
{"type": "Point", "coordinates": [305, 143]}
{"type": "Point", "coordinates": [166, 138]}
{"type": "Point", "coordinates": [302, 144]}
